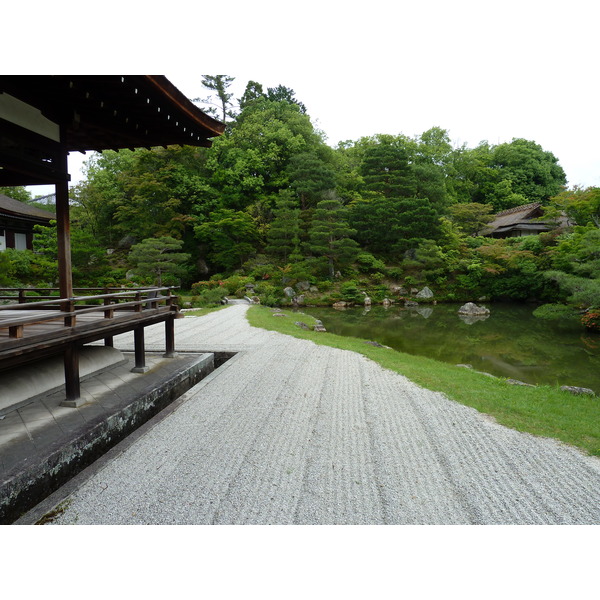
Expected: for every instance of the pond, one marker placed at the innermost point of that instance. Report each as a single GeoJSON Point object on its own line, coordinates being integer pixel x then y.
{"type": "Point", "coordinates": [510, 343]}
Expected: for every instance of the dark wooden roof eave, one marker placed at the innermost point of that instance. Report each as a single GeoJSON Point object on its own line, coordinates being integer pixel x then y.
{"type": "Point", "coordinates": [115, 111]}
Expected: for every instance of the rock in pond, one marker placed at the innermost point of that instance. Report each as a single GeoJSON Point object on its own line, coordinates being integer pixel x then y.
{"type": "Point", "coordinates": [425, 293]}
{"type": "Point", "coordinates": [341, 304]}
{"type": "Point", "coordinates": [472, 309]}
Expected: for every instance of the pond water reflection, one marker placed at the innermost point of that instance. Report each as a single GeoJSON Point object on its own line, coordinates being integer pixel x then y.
{"type": "Point", "coordinates": [510, 342]}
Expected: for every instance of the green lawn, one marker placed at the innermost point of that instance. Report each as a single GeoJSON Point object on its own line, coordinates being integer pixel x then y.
{"type": "Point", "coordinates": [542, 410]}
{"type": "Point", "coordinates": [200, 312]}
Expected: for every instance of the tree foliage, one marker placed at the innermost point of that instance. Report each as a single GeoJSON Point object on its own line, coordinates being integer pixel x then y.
{"type": "Point", "coordinates": [221, 106]}
{"type": "Point", "coordinates": [330, 235]}
{"type": "Point", "coordinates": [231, 236]}
{"type": "Point", "coordinates": [159, 259]}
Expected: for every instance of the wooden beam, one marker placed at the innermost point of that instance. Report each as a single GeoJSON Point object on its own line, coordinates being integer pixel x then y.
{"type": "Point", "coordinates": [63, 232]}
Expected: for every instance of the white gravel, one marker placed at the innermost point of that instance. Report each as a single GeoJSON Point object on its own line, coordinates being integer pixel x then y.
{"type": "Point", "coordinates": [294, 433]}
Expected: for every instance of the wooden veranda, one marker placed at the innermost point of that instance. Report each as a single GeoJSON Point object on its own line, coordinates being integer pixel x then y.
{"type": "Point", "coordinates": [42, 119]}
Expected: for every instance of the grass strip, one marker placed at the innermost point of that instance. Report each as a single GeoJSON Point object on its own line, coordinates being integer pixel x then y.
{"type": "Point", "coordinates": [200, 312]}
{"type": "Point", "coordinates": [542, 410]}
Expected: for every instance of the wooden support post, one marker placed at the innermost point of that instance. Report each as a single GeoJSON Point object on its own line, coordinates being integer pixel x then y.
{"type": "Point", "coordinates": [170, 338]}
{"type": "Point", "coordinates": [63, 227]}
{"type": "Point", "coordinates": [108, 341]}
{"type": "Point", "coordinates": [140, 352]}
{"type": "Point", "coordinates": [72, 383]}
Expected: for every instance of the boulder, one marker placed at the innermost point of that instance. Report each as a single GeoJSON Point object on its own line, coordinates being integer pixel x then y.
{"type": "Point", "coordinates": [319, 326]}
{"type": "Point", "coordinates": [473, 310]}
{"type": "Point", "coordinates": [386, 302]}
{"type": "Point", "coordinates": [302, 325]}
{"type": "Point", "coordinates": [577, 390]}
{"type": "Point", "coordinates": [298, 300]}
{"type": "Point", "coordinates": [414, 291]}
{"type": "Point", "coordinates": [289, 292]}
{"type": "Point", "coordinates": [367, 301]}
{"type": "Point", "coordinates": [313, 289]}
{"type": "Point", "coordinates": [376, 344]}
{"type": "Point", "coordinates": [303, 286]}
{"type": "Point", "coordinates": [341, 304]}
{"type": "Point", "coordinates": [517, 382]}
{"type": "Point", "coordinates": [425, 293]}
{"type": "Point", "coordinates": [410, 303]}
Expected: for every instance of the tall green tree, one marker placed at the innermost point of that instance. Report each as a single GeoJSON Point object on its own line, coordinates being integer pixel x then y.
{"type": "Point", "coordinates": [579, 204]}
{"type": "Point", "coordinates": [385, 169]}
{"type": "Point", "coordinates": [390, 226]}
{"type": "Point", "coordinates": [330, 236]}
{"type": "Point", "coordinates": [283, 238]}
{"type": "Point", "coordinates": [135, 195]}
{"type": "Point", "coordinates": [253, 91]}
{"type": "Point", "coordinates": [533, 172]}
{"type": "Point", "coordinates": [250, 163]}
{"type": "Point", "coordinates": [221, 106]}
{"type": "Point", "coordinates": [232, 237]}
{"type": "Point", "coordinates": [309, 177]}
{"type": "Point", "coordinates": [159, 259]}
{"type": "Point", "coordinates": [282, 93]}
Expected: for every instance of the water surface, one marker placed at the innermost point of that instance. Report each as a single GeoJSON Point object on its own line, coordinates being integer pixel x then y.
{"type": "Point", "coordinates": [511, 342]}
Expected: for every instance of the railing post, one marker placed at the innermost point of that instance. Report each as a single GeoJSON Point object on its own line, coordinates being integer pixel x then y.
{"type": "Point", "coordinates": [72, 383]}
{"type": "Point", "coordinates": [22, 298]}
{"type": "Point", "coordinates": [139, 349]}
{"type": "Point", "coordinates": [15, 332]}
{"type": "Point", "coordinates": [69, 307]}
{"type": "Point", "coordinates": [108, 314]}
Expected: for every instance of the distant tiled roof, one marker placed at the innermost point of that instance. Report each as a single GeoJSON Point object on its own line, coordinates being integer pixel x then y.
{"type": "Point", "coordinates": [518, 209]}
{"type": "Point", "coordinates": [512, 216]}
{"type": "Point", "coordinates": [14, 208]}
{"type": "Point", "coordinates": [522, 217]}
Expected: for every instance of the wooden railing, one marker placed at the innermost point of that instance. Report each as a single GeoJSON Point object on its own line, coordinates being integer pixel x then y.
{"type": "Point", "coordinates": [133, 299]}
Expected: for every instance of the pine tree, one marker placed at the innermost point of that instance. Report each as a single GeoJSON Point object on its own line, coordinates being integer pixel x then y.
{"type": "Point", "coordinates": [155, 257]}
{"type": "Point", "coordinates": [283, 239]}
{"type": "Point", "coordinates": [385, 169]}
{"type": "Point", "coordinates": [330, 235]}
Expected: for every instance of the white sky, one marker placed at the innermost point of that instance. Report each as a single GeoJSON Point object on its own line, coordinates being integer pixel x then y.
{"type": "Point", "coordinates": [483, 70]}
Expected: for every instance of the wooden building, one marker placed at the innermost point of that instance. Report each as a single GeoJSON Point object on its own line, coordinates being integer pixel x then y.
{"type": "Point", "coordinates": [17, 220]}
{"type": "Point", "coordinates": [42, 119]}
{"type": "Point", "coordinates": [522, 220]}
